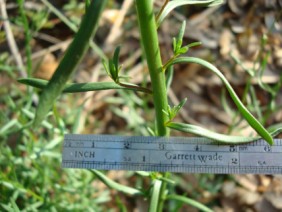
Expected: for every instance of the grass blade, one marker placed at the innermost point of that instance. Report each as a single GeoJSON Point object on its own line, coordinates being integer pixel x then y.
{"type": "Point", "coordinates": [74, 54]}
{"type": "Point", "coordinates": [254, 123]}
{"type": "Point", "coordinates": [189, 202]}
{"type": "Point", "coordinates": [155, 196]}
{"type": "Point", "coordinates": [116, 186]}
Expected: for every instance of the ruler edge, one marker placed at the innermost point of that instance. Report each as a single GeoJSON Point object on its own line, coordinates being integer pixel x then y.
{"type": "Point", "coordinates": [160, 139]}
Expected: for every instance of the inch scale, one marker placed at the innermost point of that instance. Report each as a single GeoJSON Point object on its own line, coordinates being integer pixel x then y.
{"type": "Point", "coordinates": [173, 154]}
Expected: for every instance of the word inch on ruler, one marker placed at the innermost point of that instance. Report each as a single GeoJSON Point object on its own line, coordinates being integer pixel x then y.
{"type": "Point", "coordinates": [174, 154]}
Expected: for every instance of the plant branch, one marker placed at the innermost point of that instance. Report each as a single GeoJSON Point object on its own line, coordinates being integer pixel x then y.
{"type": "Point", "coordinates": [135, 87]}
{"type": "Point", "coordinates": [253, 122]}
{"type": "Point", "coordinates": [161, 10]}
{"type": "Point", "coordinates": [84, 87]}
{"type": "Point", "coordinates": [149, 37]}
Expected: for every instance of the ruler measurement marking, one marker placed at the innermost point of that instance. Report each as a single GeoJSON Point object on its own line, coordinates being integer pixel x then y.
{"type": "Point", "coordinates": [180, 150]}
{"type": "Point", "coordinates": [173, 154]}
{"type": "Point", "coordinates": [176, 168]}
{"type": "Point", "coordinates": [190, 140]}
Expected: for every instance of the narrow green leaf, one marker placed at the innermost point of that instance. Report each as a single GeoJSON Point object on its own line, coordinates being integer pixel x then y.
{"type": "Point", "coordinates": [113, 70]}
{"type": "Point", "coordinates": [180, 35]}
{"type": "Point", "coordinates": [154, 202]}
{"type": "Point", "coordinates": [180, 105]}
{"type": "Point", "coordinates": [254, 123]}
{"type": "Point", "coordinates": [123, 76]}
{"type": "Point", "coordinates": [262, 68]}
{"type": "Point", "coordinates": [189, 202]}
{"type": "Point", "coordinates": [174, 45]}
{"type": "Point", "coordinates": [172, 112]}
{"type": "Point", "coordinates": [199, 131]}
{"type": "Point", "coordinates": [183, 50]}
{"type": "Point", "coordinates": [116, 186]}
{"type": "Point", "coordinates": [168, 112]}
{"type": "Point", "coordinates": [177, 3]}
{"type": "Point", "coordinates": [194, 44]}
{"type": "Point", "coordinates": [106, 67]}
{"type": "Point", "coordinates": [78, 87]}
{"type": "Point", "coordinates": [169, 77]}
{"type": "Point", "coordinates": [116, 57]}
{"type": "Point", "coordinates": [73, 56]}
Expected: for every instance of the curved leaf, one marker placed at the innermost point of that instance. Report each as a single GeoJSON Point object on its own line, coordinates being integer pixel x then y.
{"type": "Point", "coordinates": [189, 202]}
{"type": "Point", "coordinates": [228, 139]}
{"type": "Point", "coordinates": [79, 87]}
{"type": "Point", "coordinates": [177, 3]}
{"type": "Point", "coordinates": [114, 185]}
{"type": "Point", "coordinates": [254, 123]}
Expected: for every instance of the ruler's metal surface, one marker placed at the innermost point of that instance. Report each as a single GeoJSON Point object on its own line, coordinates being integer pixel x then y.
{"type": "Point", "coordinates": [176, 154]}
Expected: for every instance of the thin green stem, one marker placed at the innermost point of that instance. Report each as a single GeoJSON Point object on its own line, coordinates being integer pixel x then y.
{"type": "Point", "coordinates": [161, 10]}
{"type": "Point", "coordinates": [135, 87]}
{"type": "Point", "coordinates": [149, 36]}
{"type": "Point", "coordinates": [167, 64]}
{"type": "Point", "coordinates": [162, 197]}
{"type": "Point", "coordinates": [84, 87]}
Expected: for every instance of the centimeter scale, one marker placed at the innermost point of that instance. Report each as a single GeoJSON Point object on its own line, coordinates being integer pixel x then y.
{"type": "Point", "coordinates": [173, 154]}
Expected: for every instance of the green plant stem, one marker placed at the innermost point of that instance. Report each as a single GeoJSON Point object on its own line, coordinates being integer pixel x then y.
{"type": "Point", "coordinates": [162, 197]}
{"type": "Point", "coordinates": [73, 56]}
{"type": "Point", "coordinates": [150, 42]}
{"type": "Point", "coordinates": [149, 37]}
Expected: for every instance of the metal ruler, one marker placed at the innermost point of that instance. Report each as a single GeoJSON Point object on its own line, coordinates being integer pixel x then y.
{"type": "Point", "coordinates": [174, 154]}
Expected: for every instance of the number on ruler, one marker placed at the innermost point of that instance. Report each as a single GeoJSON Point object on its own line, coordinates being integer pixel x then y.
{"type": "Point", "coordinates": [162, 146]}
{"type": "Point", "coordinates": [232, 148]}
{"type": "Point", "coordinates": [127, 145]}
{"type": "Point", "coordinates": [234, 161]}
{"type": "Point", "coordinates": [267, 148]}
